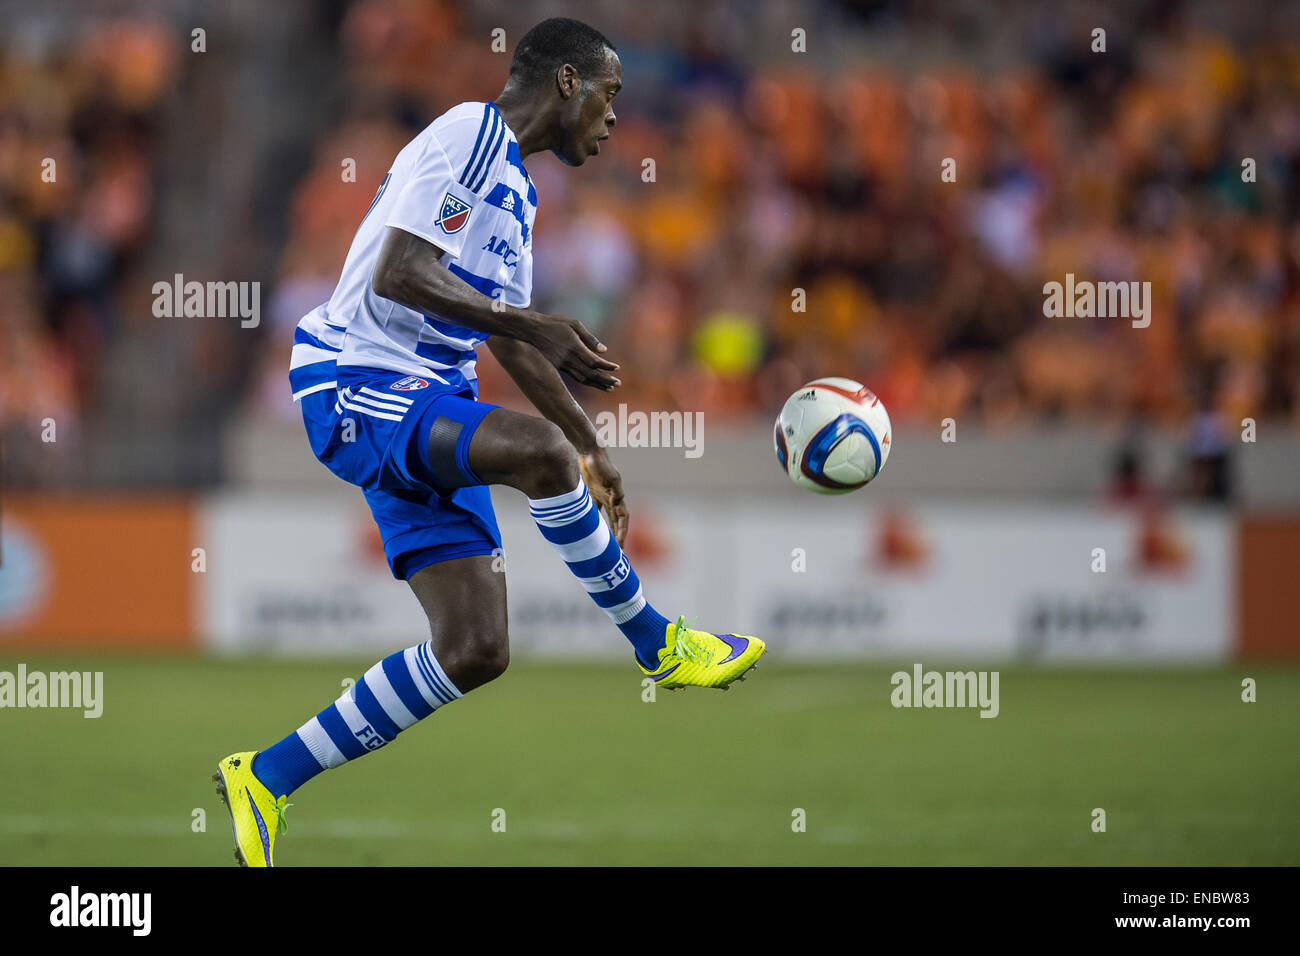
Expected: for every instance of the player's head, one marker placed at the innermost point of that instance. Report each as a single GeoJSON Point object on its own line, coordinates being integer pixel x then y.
{"type": "Point", "coordinates": [574, 69]}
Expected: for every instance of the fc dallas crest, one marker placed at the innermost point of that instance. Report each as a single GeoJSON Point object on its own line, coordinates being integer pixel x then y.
{"type": "Point", "coordinates": [453, 215]}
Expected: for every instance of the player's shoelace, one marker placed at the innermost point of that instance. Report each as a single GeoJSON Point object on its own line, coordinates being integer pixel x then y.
{"type": "Point", "coordinates": [281, 805]}
{"type": "Point", "coordinates": [686, 646]}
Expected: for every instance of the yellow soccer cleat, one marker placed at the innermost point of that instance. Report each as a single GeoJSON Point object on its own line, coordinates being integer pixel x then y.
{"type": "Point", "coordinates": [255, 815]}
{"type": "Point", "coordinates": [700, 659]}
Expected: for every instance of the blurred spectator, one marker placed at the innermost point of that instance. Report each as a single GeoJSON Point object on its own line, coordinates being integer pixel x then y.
{"type": "Point", "coordinates": [1209, 455]}
{"type": "Point", "coordinates": [1129, 482]}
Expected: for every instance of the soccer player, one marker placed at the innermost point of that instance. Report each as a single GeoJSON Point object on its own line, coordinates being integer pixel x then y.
{"type": "Point", "coordinates": [384, 373]}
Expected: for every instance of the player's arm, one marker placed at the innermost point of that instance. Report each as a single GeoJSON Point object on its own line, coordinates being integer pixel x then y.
{"type": "Point", "coordinates": [409, 272]}
{"type": "Point", "coordinates": [541, 385]}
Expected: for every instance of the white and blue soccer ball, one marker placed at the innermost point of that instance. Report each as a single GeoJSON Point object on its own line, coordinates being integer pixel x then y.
{"type": "Point", "coordinates": [832, 436]}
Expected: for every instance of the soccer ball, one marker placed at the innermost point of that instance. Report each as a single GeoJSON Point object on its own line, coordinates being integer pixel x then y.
{"type": "Point", "coordinates": [832, 436]}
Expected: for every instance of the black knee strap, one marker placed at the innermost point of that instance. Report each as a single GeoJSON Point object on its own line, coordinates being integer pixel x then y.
{"type": "Point", "coordinates": [443, 437]}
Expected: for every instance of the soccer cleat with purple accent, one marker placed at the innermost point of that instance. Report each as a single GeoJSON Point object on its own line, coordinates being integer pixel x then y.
{"type": "Point", "coordinates": [699, 659]}
{"type": "Point", "coordinates": [255, 815]}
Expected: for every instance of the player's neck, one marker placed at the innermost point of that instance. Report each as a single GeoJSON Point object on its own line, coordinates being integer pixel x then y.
{"type": "Point", "coordinates": [526, 120]}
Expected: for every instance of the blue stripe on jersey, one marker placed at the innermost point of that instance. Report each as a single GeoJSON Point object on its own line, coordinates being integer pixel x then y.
{"type": "Point", "coordinates": [496, 130]}
{"type": "Point", "coordinates": [317, 373]}
{"type": "Point", "coordinates": [442, 354]}
{"type": "Point", "coordinates": [453, 331]}
{"type": "Point", "coordinates": [490, 154]}
{"type": "Point", "coordinates": [302, 337]}
{"type": "Point", "coordinates": [517, 161]}
{"type": "Point", "coordinates": [477, 143]}
{"type": "Point", "coordinates": [486, 286]}
{"type": "Point", "coordinates": [449, 379]}
{"type": "Point", "coordinates": [503, 197]}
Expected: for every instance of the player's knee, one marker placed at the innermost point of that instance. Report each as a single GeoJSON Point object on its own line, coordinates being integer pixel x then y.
{"type": "Point", "coordinates": [488, 659]}
{"type": "Point", "coordinates": [550, 463]}
{"type": "Point", "coordinates": [479, 657]}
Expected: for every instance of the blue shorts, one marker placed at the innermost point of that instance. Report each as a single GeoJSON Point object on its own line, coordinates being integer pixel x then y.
{"type": "Point", "coordinates": [374, 432]}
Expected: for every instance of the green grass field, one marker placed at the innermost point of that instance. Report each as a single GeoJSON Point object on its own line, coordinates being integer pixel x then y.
{"type": "Point", "coordinates": [589, 774]}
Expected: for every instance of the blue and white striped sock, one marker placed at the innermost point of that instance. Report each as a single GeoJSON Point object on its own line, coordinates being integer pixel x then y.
{"type": "Point", "coordinates": [577, 530]}
{"type": "Point", "coordinates": [398, 691]}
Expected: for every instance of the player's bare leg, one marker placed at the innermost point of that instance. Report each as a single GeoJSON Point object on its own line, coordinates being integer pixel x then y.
{"type": "Point", "coordinates": [465, 602]}
{"type": "Point", "coordinates": [524, 452]}
{"type": "Point", "coordinates": [534, 456]}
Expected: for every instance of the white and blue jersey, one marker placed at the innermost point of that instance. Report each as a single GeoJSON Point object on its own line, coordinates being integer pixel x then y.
{"type": "Point", "coordinates": [461, 185]}
{"type": "Point", "coordinates": [389, 395]}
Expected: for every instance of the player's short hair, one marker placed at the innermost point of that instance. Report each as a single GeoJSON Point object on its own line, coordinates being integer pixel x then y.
{"type": "Point", "coordinates": [555, 42]}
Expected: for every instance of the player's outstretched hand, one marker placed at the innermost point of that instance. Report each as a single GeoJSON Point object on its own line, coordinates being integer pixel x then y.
{"type": "Point", "coordinates": [606, 486]}
{"type": "Point", "coordinates": [568, 346]}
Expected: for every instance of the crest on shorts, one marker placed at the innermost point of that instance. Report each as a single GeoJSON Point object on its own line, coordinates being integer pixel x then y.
{"type": "Point", "coordinates": [453, 215]}
{"type": "Point", "coordinates": [409, 384]}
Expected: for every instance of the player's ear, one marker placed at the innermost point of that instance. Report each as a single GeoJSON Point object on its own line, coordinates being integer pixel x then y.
{"type": "Point", "coordinates": [567, 80]}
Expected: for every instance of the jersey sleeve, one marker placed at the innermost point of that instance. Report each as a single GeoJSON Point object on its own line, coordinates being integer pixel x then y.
{"type": "Point", "coordinates": [434, 204]}
{"type": "Point", "coordinates": [519, 290]}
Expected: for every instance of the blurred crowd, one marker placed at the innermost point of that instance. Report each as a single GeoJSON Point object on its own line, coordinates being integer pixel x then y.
{"type": "Point", "coordinates": [761, 216]}
{"type": "Point", "coordinates": [799, 224]}
{"type": "Point", "coordinates": [79, 115]}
